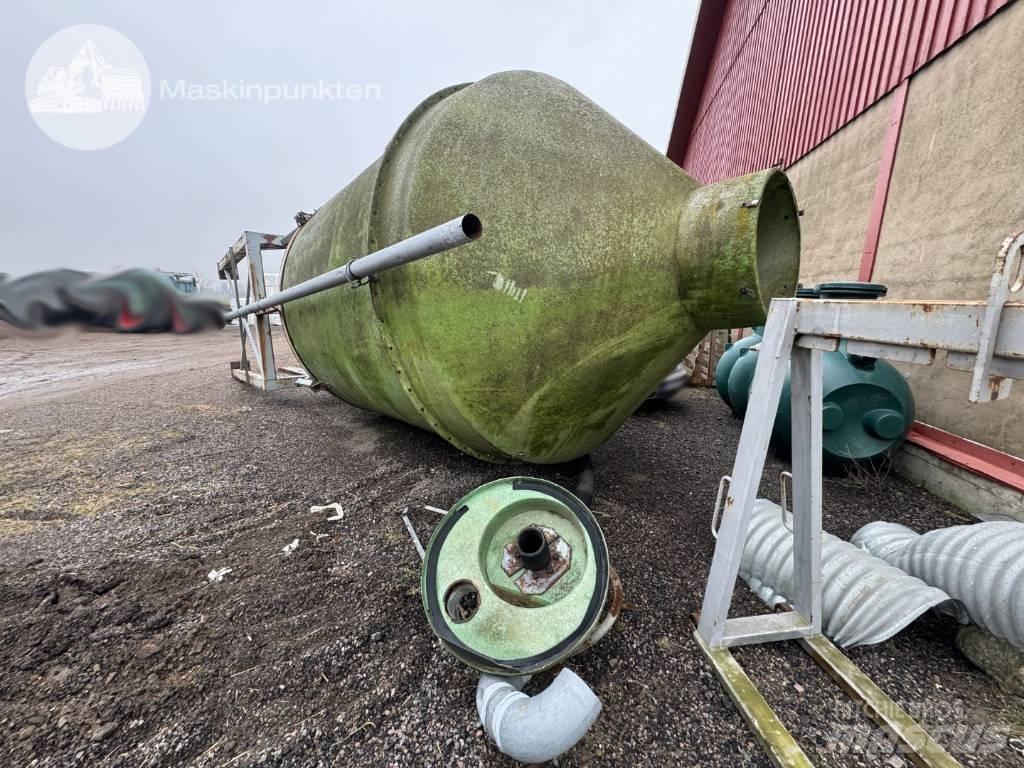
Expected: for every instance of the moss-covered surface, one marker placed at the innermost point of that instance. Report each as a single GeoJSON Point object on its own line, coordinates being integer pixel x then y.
{"type": "Point", "coordinates": [598, 270]}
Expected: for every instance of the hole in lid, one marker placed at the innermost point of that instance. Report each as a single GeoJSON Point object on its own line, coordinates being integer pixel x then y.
{"type": "Point", "coordinates": [461, 601]}
{"type": "Point", "coordinates": [530, 541]}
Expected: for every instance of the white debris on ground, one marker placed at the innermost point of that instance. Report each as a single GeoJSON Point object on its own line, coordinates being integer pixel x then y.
{"type": "Point", "coordinates": [289, 548]}
{"type": "Point", "coordinates": [216, 576]}
{"type": "Point", "coordinates": [339, 513]}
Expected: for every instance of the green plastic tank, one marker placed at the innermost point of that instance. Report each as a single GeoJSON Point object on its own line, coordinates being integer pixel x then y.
{"type": "Point", "coordinates": [728, 360]}
{"type": "Point", "coordinates": [600, 266]}
{"type": "Point", "coordinates": [867, 407]}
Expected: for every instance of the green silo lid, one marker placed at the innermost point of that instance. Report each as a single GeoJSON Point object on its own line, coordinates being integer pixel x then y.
{"type": "Point", "coordinates": [851, 290]}
{"type": "Point", "coordinates": [481, 597]}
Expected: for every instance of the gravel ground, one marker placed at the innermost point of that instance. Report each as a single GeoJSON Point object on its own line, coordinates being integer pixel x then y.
{"type": "Point", "coordinates": [134, 465]}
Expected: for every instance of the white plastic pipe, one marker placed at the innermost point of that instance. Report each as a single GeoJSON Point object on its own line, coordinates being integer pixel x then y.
{"type": "Point", "coordinates": [535, 729]}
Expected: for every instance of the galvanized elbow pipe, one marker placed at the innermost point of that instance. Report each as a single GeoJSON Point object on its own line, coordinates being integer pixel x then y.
{"type": "Point", "coordinates": [980, 565]}
{"type": "Point", "coordinates": [535, 729]}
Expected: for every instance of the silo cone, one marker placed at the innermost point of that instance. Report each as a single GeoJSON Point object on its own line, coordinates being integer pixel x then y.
{"type": "Point", "coordinates": [600, 266]}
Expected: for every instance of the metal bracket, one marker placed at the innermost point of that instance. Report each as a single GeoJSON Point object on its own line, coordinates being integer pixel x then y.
{"type": "Point", "coordinates": [723, 484]}
{"type": "Point", "coordinates": [404, 514]}
{"type": "Point", "coordinates": [783, 506]}
{"type": "Point", "coordinates": [412, 533]}
{"type": "Point", "coordinates": [1007, 279]}
{"type": "Point", "coordinates": [353, 281]}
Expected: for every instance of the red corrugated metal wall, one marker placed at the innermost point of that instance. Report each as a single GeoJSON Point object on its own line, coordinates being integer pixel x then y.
{"type": "Point", "coordinates": [786, 74]}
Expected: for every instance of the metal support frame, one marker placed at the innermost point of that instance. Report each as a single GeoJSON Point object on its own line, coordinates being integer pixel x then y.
{"type": "Point", "coordinates": [991, 381]}
{"type": "Point", "coordinates": [254, 329]}
{"type": "Point", "coordinates": [915, 743]}
{"type": "Point", "coordinates": [774, 738]}
{"type": "Point", "coordinates": [986, 338]}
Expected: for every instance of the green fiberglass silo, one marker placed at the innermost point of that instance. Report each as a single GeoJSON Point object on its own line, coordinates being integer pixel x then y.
{"type": "Point", "coordinates": [600, 266]}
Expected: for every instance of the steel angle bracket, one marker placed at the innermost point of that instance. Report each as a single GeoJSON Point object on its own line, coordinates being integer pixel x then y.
{"type": "Point", "coordinates": [988, 384]}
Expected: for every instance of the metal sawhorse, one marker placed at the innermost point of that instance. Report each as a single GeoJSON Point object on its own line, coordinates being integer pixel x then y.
{"type": "Point", "coordinates": [986, 338]}
{"type": "Point", "coordinates": [254, 329]}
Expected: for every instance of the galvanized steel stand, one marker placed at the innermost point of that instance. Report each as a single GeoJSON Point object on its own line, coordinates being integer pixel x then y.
{"type": "Point", "coordinates": [254, 329]}
{"type": "Point", "coordinates": [986, 338]}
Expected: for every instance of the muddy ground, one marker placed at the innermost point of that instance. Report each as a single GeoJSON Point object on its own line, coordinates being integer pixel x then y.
{"type": "Point", "coordinates": [133, 466]}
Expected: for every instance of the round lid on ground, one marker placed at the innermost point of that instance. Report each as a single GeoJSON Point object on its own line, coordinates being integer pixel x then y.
{"type": "Point", "coordinates": [499, 597]}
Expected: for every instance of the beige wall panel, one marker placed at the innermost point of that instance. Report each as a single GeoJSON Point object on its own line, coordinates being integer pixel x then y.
{"type": "Point", "coordinates": [956, 193]}
{"type": "Point", "coordinates": [834, 185]}
{"type": "Point", "coordinates": [956, 188]}
{"type": "Point", "coordinates": [983, 498]}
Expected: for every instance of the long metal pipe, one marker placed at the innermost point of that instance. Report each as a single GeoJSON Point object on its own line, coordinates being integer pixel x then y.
{"type": "Point", "coordinates": [443, 237]}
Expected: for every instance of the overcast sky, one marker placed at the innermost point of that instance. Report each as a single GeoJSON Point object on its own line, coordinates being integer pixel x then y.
{"type": "Point", "coordinates": [176, 192]}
